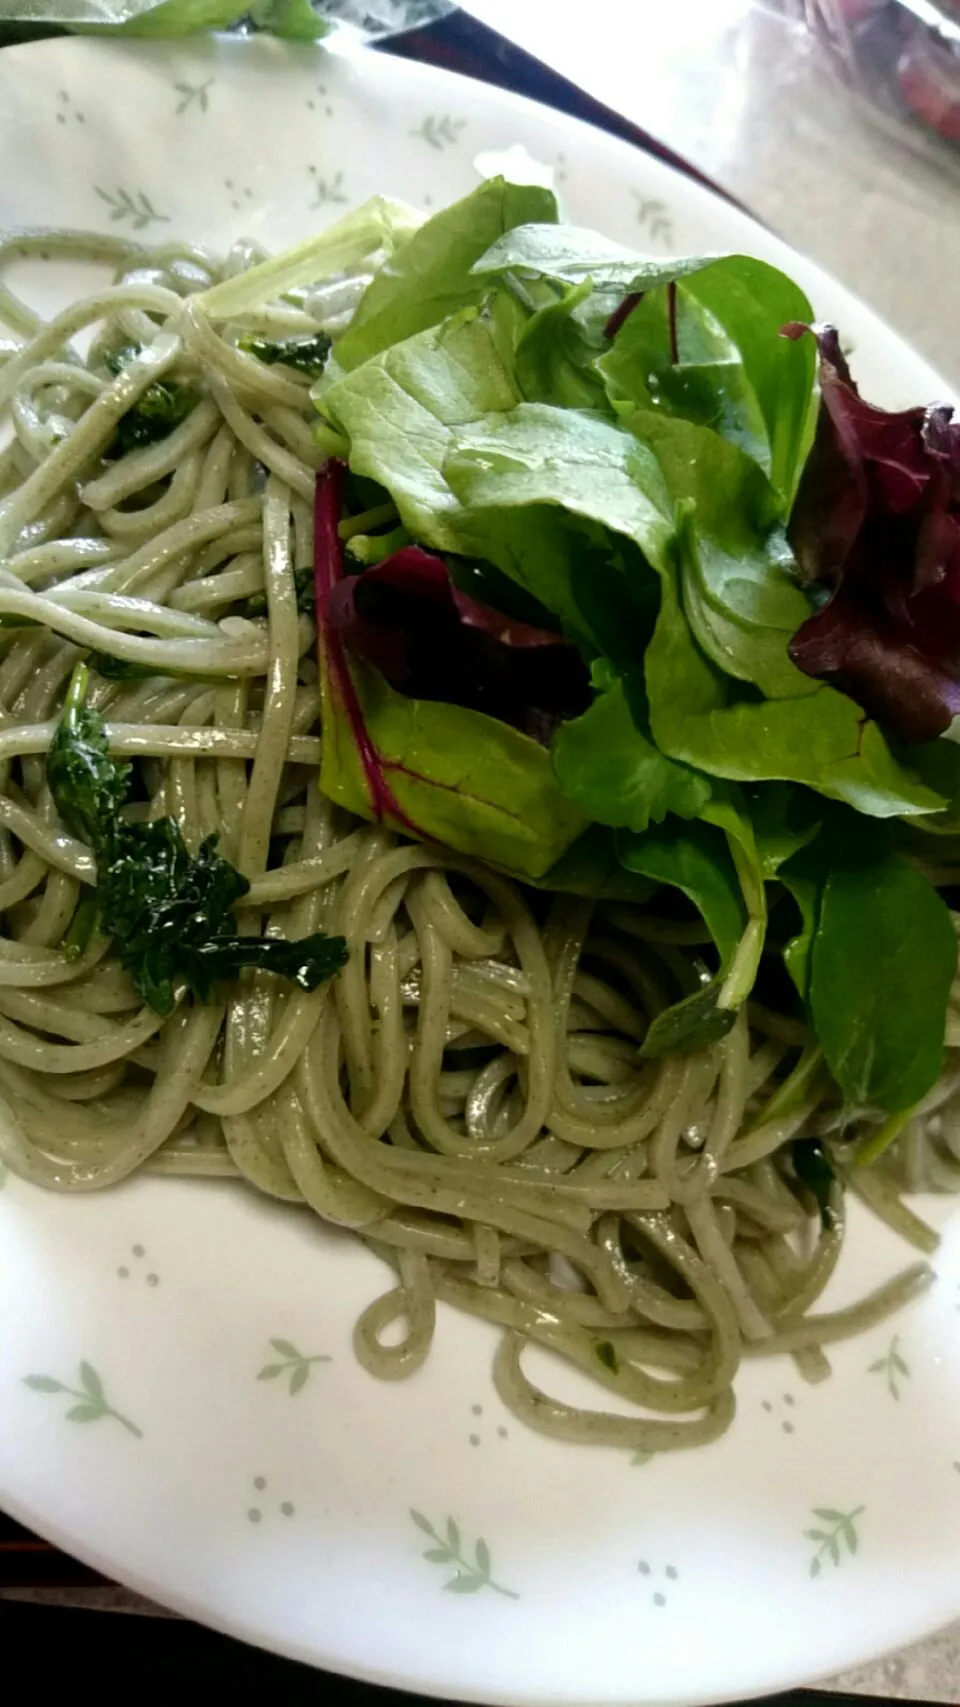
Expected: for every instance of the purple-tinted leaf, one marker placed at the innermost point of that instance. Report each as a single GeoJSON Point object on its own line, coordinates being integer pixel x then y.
{"type": "Point", "coordinates": [431, 641]}
{"type": "Point", "coordinates": [877, 524]}
{"type": "Point", "coordinates": [328, 572]}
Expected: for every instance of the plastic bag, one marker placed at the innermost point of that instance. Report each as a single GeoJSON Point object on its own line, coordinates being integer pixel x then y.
{"type": "Point", "coordinates": [900, 59]}
{"type": "Point", "coordinates": [299, 19]}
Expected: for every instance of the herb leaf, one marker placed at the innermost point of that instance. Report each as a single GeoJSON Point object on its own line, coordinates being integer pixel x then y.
{"type": "Point", "coordinates": [303, 583]}
{"type": "Point", "coordinates": [88, 787]}
{"type": "Point", "coordinates": [170, 911]}
{"type": "Point", "coordinates": [163, 406]}
{"type": "Point", "coordinates": [812, 1168]}
{"type": "Point", "coordinates": [305, 355]}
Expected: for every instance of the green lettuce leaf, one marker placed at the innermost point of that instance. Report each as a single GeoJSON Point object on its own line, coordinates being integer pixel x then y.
{"type": "Point", "coordinates": [785, 819]}
{"type": "Point", "coordinates": [168, 18]}
{"type": "Point", "coordinates": [557, 354]}
{"type": "Point", "coordinates": [884, 957]}
{"type": "Point", "coordinates": [763, 398]}
{"type": "Point", "coordinates": [464, 779]}
{"type": "Point", "coordinates": [708, 384]}
{"type": "Point", "coordinates": [821, 740]}
{"type": "Point", "coordinates": [608, 765]}
{"type": "Point", "coordinates": [694, 858]}
{"type": "Point", "coordinates": [569, 254]}
{"type": "Point", "coordinates": [537, 454]}
{"type": "Point", "coordinates": [751, 301]}
{"type": "Point", "coordinates": [294, 20]}
{"type": "Point", "coordinates": [403, 415]}
{"type": "Point", "coordinates": [430, 276]}
{"type": "Point", "coordinates": [403, 411]}
{"type": "Point", "coordinates": [591, 867]}
{"type": "Point", "coordinates": [738, 596]}
{"type": "Point", "coordinates": [874, 960]}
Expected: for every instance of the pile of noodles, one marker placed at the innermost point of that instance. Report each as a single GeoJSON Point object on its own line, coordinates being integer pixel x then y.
{"type": "Point", "coordinates": [468, 1096]}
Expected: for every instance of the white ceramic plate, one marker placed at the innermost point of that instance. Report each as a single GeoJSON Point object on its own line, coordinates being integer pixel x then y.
{"type": "Point", "coordinates": [179, 1404]}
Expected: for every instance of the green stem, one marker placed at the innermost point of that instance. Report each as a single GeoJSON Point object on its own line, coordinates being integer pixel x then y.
{"type": "Point", "coordinates": [795, 1089]}
{"type": "Point", "coordinates": [742, 975]}
{"type": "Point", "coordinates": [367, 519]}
{"type": "Point", "coordinates": [873, 1147]}
{"type": "Point", "coordinates": [330, 440]}
{"type": "Point", "coordinates": [508, 1593]}
{"type": "Point", "coordinates": [76, 692]}
{"type": "Point", "coordinates": [125, 1422]}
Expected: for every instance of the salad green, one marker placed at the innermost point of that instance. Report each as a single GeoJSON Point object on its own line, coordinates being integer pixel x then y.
{"type": "Point", "coordinates": [612, 449]}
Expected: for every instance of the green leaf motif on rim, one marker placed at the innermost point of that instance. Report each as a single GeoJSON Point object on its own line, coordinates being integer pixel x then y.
{"type": "Point", "coordinates": [893, 1366]}
{"type": "Point", "coordinates": [91, 1400]}
{"type": "Point", "coordinates": [839, 1532]}
{"type": "Point", "coordinates": [470, 1575]}
{"type": "Point", "coordinates": [654, 217]}
{"type": "Point", "coordinates": [328, 190]}
{"type": "Point", "coordinates": [294, 1364]}
{"type": "Point", "coordinates": [193, 94]}
{"type": "Point", "coordinates": [138, 208]}
{"type": "Point", "coordinates": [440, 130]}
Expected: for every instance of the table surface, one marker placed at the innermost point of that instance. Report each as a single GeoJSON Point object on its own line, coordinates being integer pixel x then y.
{"type": "Point", "coordinates": [740, 93]}
{"type": "Point", "coordinates": [724, 90]}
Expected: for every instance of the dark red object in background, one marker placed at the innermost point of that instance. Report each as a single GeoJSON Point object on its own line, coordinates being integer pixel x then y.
{"type": "Point", "coordinates": [901, 59]}
{"type": "Point", "coordinates": [929, 77]}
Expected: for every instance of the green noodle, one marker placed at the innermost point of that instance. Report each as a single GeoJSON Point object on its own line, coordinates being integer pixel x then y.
{"type": "Point", "coordinates": [468, 1098]}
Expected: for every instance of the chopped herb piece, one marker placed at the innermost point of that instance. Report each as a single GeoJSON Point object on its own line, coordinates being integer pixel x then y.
{"type": "Point", "coordinates": [305, 355]}
{"type": "Point", "coordinates": [607, 1353]}
{"type": "Point", "coordinates": [813, 1170]}
{"type": "Point", "coordinates": [163, 406]}
{"type": "Point", "coordinates": [169, 911]}
{"type": "Point", "coordinates": [303, 581]}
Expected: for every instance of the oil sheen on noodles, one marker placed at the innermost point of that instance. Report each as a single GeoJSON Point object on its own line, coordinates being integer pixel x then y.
{"type": "Point", "coordinates": [468, 1096]}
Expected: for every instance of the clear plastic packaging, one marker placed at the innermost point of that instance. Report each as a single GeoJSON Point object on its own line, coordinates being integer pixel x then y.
{"type": "Point", "coordinates": [373, 19]}
{"type": "Point", "coordinates": [900, 59]}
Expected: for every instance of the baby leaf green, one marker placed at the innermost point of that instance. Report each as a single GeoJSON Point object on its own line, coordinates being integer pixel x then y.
{"type": "Point", "coordinates": [608, 765]}
{"type": "Point", "coordinates": [430, 276]}
{"type": "Point", "coordinates": [883, 961]}
{"type": "Point", "coordinates": [464, 779]}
